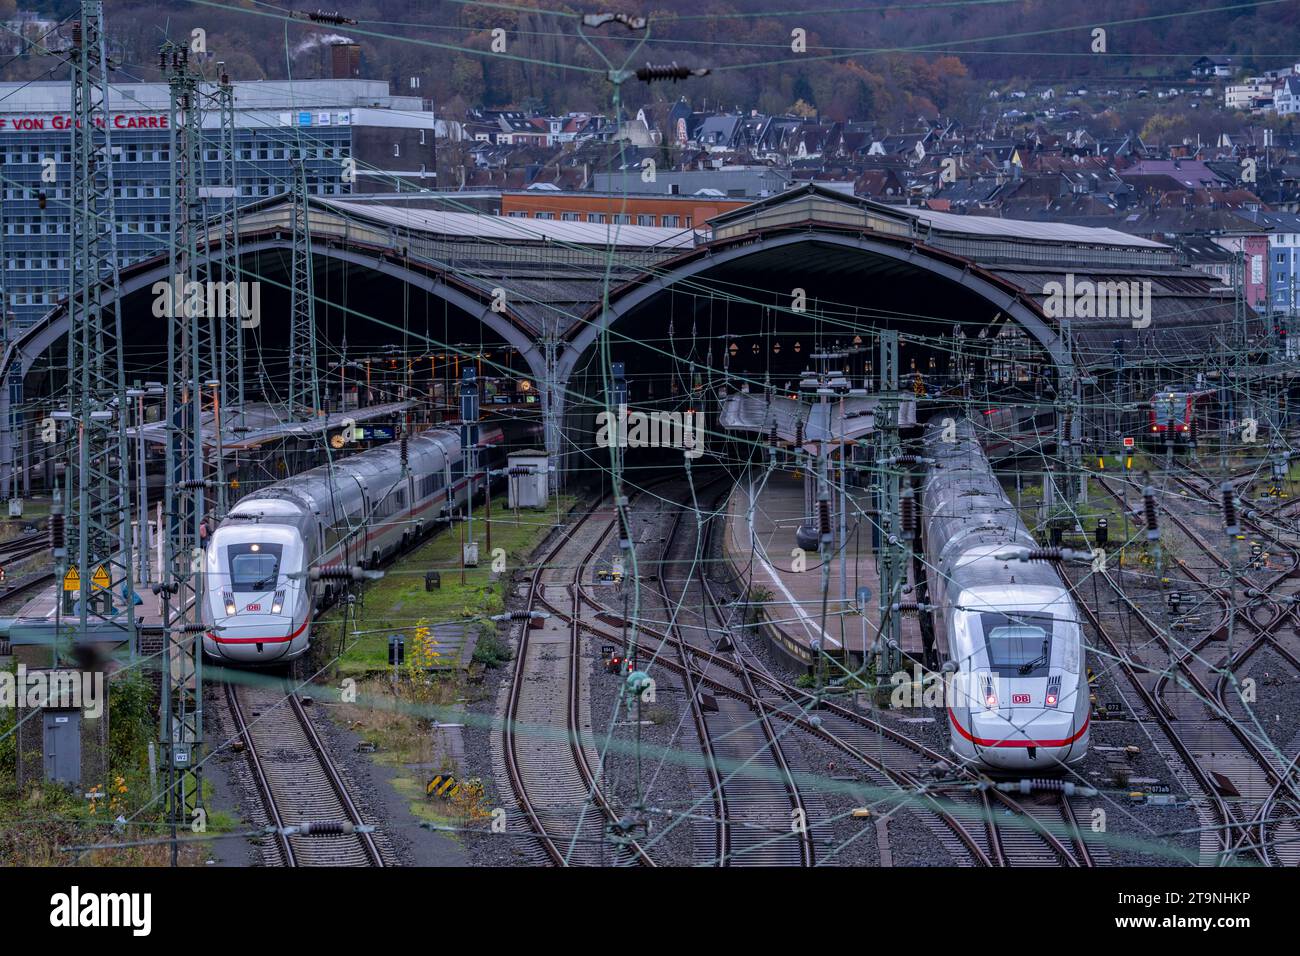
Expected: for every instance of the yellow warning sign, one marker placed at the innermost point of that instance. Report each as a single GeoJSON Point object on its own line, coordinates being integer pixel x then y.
{"type": "Point", "coordinates": [443, 785]}
{"type": "Point", "coordinates": [72, 580]}
{"type": "Point", "coordinates": [100, 578]}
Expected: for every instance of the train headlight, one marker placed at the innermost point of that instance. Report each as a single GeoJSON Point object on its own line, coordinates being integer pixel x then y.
{"type": "Point", "coordinates": [229, 600]}
{"type": "Point", "coordinates": [991, 701]}
{"type": "Point", "coordinates": [277, 602]}
{"type": "Point", "coordinates": [1053, 691]}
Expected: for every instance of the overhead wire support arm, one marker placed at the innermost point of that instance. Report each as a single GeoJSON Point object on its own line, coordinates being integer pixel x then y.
{"type": "Point", "coordinates": [616, 76]}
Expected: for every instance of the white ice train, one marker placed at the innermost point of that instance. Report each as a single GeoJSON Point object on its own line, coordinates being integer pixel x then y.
{"type": "Point", "coordinates": [1018, 700]}
{"type": "Point", "coordinates": [357, 511]}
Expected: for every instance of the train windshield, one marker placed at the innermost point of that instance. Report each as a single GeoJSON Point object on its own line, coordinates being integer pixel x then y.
{"type": "Point", "coordinates": [253, 567]}
{"type": "Point", "coordinates": [1019, 645]}
{"type": "Point", "coordinates": [1168, 408]}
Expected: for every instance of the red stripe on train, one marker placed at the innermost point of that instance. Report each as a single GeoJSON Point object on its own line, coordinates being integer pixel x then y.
{"type": "Point", "coordinates": [989, 742]}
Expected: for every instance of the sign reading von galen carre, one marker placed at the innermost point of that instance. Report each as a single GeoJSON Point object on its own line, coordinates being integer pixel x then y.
{"type": "Point", "coordinates": [36, 123]}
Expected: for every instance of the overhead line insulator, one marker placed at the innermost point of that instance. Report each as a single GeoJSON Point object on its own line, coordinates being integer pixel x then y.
{"type": "Point", "coordinates": [909, 514]}
{"type": "Point", "coordinates": [333, 18]}
{"type": "Point", "coordinates": [340, 572]}
{"type": "Point", "coordinates": [1149, 509]}
{"type": "Point", "coordinates": [652, 73]}
{"type": "Point", "coordinates": [58, 539]}
{"type": "Point", "coordinates": [1229, 509]}
{"type": "Point", "coordinates": [824, 518]}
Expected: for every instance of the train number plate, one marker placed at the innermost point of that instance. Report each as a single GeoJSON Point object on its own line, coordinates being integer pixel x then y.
{"type": "Point", "coordinates": [1019, 698]}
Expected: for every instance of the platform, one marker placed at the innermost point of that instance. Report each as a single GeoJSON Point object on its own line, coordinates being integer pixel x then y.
{"type": "Point", "coordinates": [763, 558]}
{"type": "Point", "coordinates": [38, 622]}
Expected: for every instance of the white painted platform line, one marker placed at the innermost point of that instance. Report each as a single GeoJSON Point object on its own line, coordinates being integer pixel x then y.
{"type": "Point", "coordinates": [810, 625]}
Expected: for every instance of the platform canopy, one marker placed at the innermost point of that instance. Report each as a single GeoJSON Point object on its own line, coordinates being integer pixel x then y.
{"type": "Point", "coordinates": [262, 423]}
{"type": "Point", "coordinates": [839, 419]}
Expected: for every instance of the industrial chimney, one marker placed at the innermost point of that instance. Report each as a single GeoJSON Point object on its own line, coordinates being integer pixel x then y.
{"type": "Point", "coordinates": [345, 60]}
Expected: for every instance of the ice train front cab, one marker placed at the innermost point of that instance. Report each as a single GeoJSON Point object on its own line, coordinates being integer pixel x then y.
{"type": "Point", "coordinates": [257, 604]}
{"type": "Point", "coordinates": [1018, 701]}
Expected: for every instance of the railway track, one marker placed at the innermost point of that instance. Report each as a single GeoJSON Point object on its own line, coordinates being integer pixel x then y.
{"type": "Point", "coordinates": [1247, 790]}
{"type": "Point", "coordinates": [297, 780]}
{"type": "Point", "coordinates": [549, 753]}
{"type": "Point", "coordinates": [20, 548]}
{"type": "Point", "coordinates": [711, 838]}
{"type": "Point", "coordinates": [763, 817]}
{"type": "Point", "coordinates": [1270, 783]}
{"type": "Point", "coordinates": [975, 825]}
{"type": "Point", "coordinates": [30, 583]}
{"type": "Point", "coordinates": [1031, 830]}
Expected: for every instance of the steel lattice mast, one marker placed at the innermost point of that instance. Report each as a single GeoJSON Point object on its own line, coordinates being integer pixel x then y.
{"type": "Point", "coordinates": [12, 487]}
{"type": "Point", "coordinates": [189, 354]}
{"type": "Point", "coordinates": [99, 521]}
{"type": "Point", "coordinates": [304, 396]}
{"type": "Point", "coordinates": [893, 557]}
{"type": "Point", "coordinates": [232, 338]}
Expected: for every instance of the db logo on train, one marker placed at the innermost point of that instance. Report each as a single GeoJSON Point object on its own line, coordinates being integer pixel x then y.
{"type": "Point", "coordinates": [253, 607]}
{"type": "Point", "coordinates": [1019, 698]}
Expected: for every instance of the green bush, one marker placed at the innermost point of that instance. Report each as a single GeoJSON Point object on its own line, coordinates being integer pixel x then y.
{"type": "Point", "coordinates": [8, 740]}
{"type": "Point", "coordinates": [132, 721]}
{"type": "Point", "coordinates": [491, 651]}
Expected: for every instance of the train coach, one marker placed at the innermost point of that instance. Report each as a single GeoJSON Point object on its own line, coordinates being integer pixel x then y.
{"type": "Point", "coordinates": [258, 602]}
{"type": "Point", "coordinates": [1184, 411]}
{"type": "Point", "coordinates": [1017, 692]}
